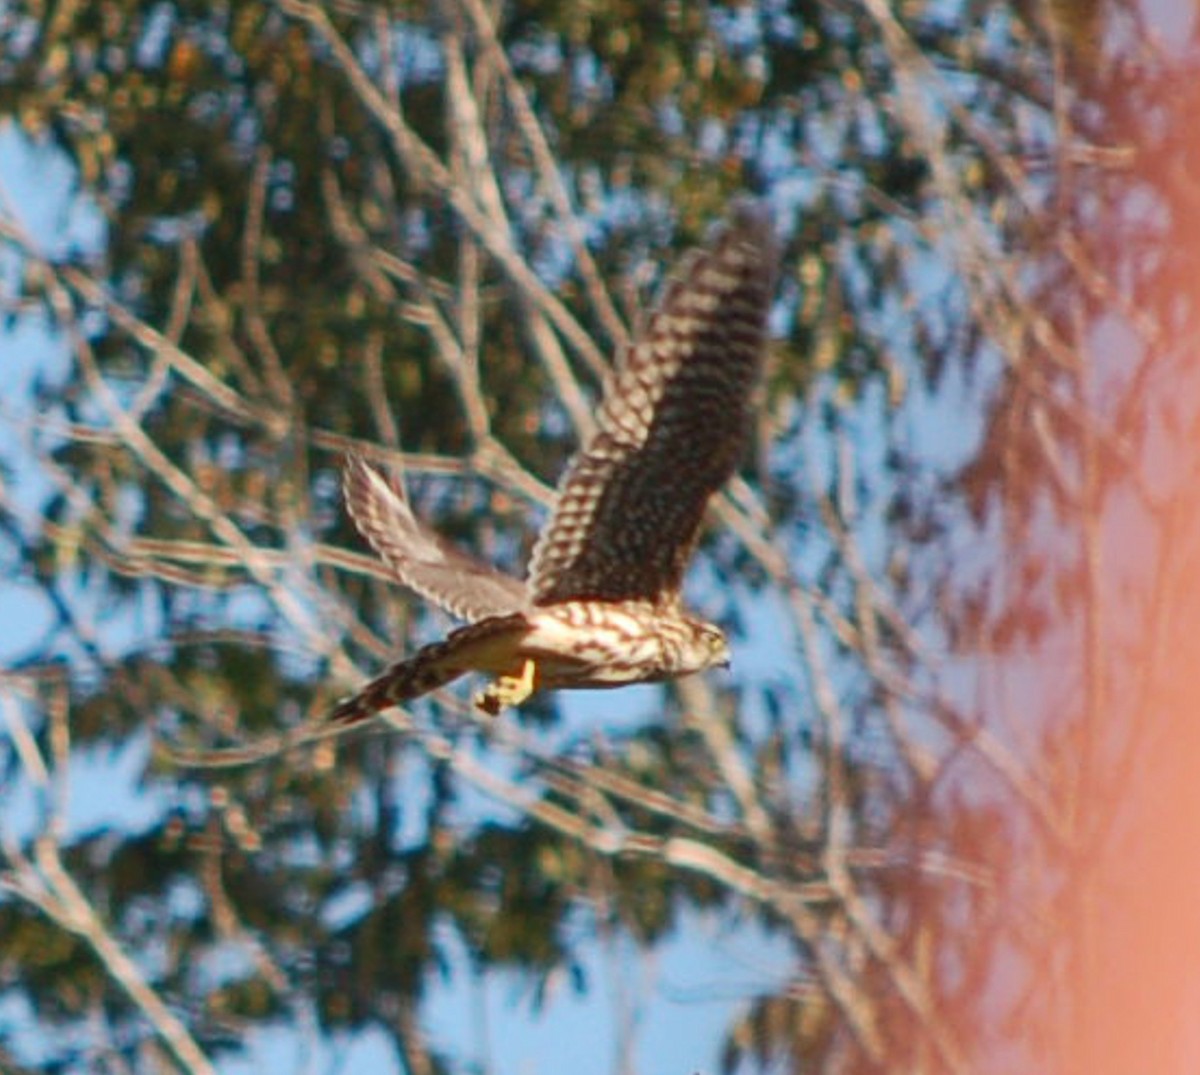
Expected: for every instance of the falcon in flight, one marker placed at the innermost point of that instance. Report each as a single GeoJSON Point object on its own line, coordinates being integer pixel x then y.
{"type": "Point", "coordinates": [602, 605]}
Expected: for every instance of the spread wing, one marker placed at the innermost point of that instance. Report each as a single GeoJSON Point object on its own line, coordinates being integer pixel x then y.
{"type": "Point", "coordinates": [421, 559]}
{"type": "Point", "coordinates": [671, 429]}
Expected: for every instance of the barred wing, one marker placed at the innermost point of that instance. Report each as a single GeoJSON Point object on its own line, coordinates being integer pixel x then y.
{"type": "Point", "coordinates": [671, 429]}
{"type": "Point", "coordinates": [420, 558]}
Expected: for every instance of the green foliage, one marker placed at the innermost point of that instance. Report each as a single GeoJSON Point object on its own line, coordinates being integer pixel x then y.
{"type": "Point", "coordinates": [283, 276]}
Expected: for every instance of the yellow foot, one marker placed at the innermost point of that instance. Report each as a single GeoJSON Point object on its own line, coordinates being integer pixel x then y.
{"type": "Point", "coordinates": [507, 690]}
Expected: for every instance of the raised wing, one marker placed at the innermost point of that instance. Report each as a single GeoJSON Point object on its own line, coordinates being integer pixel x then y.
{"type": "Point", "coordinates": [671, 429]}
{"type": "Point", "coordinates": [419, 557]}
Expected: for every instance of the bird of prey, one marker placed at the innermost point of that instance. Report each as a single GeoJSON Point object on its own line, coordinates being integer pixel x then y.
{"type": "Point", "coordinates": [601, 606]}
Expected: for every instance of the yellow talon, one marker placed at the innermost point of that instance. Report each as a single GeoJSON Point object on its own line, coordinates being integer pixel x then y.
{"type": "Point", "coordinates": [507, 690]}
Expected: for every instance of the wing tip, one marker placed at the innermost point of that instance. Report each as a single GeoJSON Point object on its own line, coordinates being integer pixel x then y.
{"type": "Point", "coordinates": [750, 214]}
{"type": "Point", "coordinates": [361, 483]}
{"type": "Point", "coordinates": [356, 476]}
{"type": "Point", "coordinates": [750, 222]}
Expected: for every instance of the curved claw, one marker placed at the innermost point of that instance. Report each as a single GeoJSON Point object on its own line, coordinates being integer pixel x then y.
{"type": "Point", "coordinates": [507, 690]}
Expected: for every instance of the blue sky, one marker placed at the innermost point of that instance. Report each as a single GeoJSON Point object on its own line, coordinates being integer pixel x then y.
{"type": "Point", "coordinates": [685, 991]}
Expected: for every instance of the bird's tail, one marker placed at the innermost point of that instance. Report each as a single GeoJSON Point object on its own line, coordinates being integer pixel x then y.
{"type": "Point", "coordinates": [428, 669]}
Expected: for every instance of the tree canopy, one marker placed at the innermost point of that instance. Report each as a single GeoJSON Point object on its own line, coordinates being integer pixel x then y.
{"type": "Point", "coordinates": [420, 232]}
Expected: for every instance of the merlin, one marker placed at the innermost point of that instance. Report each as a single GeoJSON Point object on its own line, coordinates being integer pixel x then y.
{"type": "Point", "coordinates": [602, 604]}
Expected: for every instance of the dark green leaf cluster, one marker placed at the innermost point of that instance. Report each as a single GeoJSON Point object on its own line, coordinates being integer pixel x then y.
{"type": "Point", "coordinates": [340, 226]}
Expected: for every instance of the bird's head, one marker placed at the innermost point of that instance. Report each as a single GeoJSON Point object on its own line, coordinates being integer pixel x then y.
{"type": "Point", "coordinates": [708, 648]}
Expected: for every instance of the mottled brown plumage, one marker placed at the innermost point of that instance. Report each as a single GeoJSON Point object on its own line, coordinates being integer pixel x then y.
{"type": "Point", "coordinates": [601, 607]}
